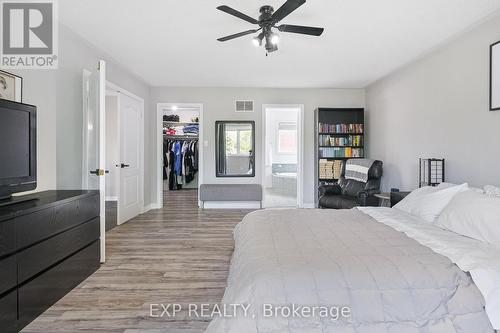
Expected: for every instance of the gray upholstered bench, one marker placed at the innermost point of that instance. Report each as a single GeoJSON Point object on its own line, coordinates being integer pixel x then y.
{"type": "Point", "coordinates": [230, 192]}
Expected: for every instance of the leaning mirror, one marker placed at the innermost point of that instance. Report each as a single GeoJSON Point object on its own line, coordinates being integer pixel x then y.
{"type": "Point", "coordinates": [235, 148]}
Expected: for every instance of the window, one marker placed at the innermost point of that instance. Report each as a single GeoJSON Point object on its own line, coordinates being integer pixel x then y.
{"type": "Point", "coordinates": [238, 141]}
{"type": "Point", "coordinates": [287, 138]}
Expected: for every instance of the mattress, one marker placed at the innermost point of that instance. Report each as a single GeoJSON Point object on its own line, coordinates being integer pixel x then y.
{"type": "Point", "coordinates": [344, 260]}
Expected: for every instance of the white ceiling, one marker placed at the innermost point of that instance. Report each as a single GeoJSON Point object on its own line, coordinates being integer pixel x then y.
{"type": "Point", "coordinates": [173, 42]}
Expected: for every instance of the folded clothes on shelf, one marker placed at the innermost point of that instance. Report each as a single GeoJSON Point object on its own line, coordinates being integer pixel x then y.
{"type": "Point", "coordinates": [171, 117]}
{"type": "Point", "coordinates": [193, 129]}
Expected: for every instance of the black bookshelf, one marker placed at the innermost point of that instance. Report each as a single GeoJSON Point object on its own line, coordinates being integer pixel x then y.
{"type": "Point", "coordinates": [328, 150]}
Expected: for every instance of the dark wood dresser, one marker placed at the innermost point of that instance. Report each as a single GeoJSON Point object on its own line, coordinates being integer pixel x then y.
{"type": "Point", "coordinates": [47, 247]}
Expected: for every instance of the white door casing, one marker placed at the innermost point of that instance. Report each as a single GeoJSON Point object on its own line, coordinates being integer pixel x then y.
{"type": "Point", "coordinates": [300, 146]}
{"type": "Point", "coordinates": [202, 142]}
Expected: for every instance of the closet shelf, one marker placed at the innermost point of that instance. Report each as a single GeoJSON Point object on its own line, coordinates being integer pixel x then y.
{"type": "Point", "coordinates": [347, 146]}
{"type": "Point", "coordinates": [180, 136]}
{"type": "Point", "coordinates": [179, 123]}
{"type": "Point", "coordinates": [340, 134]}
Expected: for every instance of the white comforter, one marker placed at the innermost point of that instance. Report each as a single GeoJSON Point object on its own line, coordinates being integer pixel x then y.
{"type": "Point", "coordinates": [391, 282]}
{"type": "Point", "coordinates": [480, 259]}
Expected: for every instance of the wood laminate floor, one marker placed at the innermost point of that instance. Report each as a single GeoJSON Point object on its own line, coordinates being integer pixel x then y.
{"type": "Point", "coordinates": [179, 254]}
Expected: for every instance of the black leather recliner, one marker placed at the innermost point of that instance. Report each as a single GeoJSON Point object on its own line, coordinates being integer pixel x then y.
{"type": "Point", "coordinates": [350, 193]}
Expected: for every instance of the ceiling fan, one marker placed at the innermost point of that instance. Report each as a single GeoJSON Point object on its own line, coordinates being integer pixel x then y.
{"type": "Point", "coordinates": [268, 20]}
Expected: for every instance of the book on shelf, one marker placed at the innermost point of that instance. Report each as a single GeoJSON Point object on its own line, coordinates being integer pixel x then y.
{"type": "Point", "coordinates": [351, 140]}
{"type": "Point", "coordinates": [341, 128]}
{"type": "Point", "coordinates": [340, 152]}
{"type": "Point", "coordinates": [330, 169]}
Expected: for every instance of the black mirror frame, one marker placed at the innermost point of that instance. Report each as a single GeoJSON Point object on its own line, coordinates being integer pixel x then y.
{"type": "Point", "coordinates": [217, 148]}
{"type": "Point", "coordinates": [492, 107]}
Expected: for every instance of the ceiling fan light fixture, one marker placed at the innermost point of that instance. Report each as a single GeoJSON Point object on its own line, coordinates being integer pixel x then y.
{"type": "Point", "coordinates": [257, 41]}
{"type": "Point", "coordinates": [275, 39]}
{"type": "Point", "coordinates": [270, 46]}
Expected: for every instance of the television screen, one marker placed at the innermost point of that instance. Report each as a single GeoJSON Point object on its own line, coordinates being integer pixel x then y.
{"type": "Point", "coordinates": [17, 150]}
{"type": "Point", "coordinates": [14, 143]}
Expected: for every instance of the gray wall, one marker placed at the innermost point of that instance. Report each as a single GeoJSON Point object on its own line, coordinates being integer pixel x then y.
{"type": "Point", "coordinates": [219, 105]}
{"type": "Point", "coordinates": [438, 107]}
{"type": "Point", "coordinates": [75, 54]}
{"type": "Point", "coordinates": [58, 94]}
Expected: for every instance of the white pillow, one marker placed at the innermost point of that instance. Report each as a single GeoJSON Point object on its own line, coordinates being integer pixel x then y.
{"type": "Point", "coordinates": [473, 215]}
{"type": "Point", "coordinates": [442, 186]}
{"type": "Point", "coordinates": [428, 202]}
{"type": "Point", "coordinates": [492, 190]}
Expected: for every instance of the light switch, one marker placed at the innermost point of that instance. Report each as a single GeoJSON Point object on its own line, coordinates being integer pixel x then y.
{"type": "Point", "coordinates": [205, 143]}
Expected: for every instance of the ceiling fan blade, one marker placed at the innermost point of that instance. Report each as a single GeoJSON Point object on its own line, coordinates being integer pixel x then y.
{"type": "Point", "coordinates": [298, 29]}
{"type": "Point", "coordinates": [240, 34]}
{"type": "Point", "coordinates": [287, 8]}
{"type": "Point", "coordinates": [234, 12]}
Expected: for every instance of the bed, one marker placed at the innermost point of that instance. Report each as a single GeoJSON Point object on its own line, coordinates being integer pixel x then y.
{"type": "Point", "coordinates": [394, 273]}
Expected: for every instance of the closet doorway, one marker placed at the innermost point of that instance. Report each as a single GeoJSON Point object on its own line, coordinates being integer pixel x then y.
{"type": "Point", "coordinates": [124, 155]}
{"type": "Point", "coordinates": [283, 161]}
{"type": "Point", "coordinates": [180, 149]}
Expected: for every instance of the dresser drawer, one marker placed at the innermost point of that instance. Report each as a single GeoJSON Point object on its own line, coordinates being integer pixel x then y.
{"type": "Point", "coordinates": [7, 237]}
{"type": "Point", "coordinates": [43, 291]}
{"type": "Point", "coordinates": [76, 212]}
{"type": "Point", "coordinates": [37, 258]}
{"type": "Point", "coordinates": [8, 312]}
{"type": "Point", "coordinates": [35, 227]}
{"type": "Point", "coordinates": [8, 273]}
{"type": "Point", "coordinates": [43, 224]}
{"type": "Point", "coordinates": [88, 208]}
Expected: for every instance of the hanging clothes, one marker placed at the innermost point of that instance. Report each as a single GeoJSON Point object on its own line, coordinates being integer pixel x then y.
{"type": "Point", "coordinates": [180, 163]}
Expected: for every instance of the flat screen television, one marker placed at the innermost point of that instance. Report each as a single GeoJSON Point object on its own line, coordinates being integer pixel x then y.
{"type": "Point", "coordinates": [17, 148]}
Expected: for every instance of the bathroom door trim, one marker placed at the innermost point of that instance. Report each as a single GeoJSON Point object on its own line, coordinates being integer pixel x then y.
{"type": "Point", "coordinates": [300, 148]}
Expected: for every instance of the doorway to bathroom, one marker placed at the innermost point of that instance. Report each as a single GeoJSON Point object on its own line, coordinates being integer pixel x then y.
{"type": "Point", "coordinates": [283, 150]}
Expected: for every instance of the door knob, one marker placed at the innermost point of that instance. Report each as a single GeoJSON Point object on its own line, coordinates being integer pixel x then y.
{"type": "Point", "coordinates": [123, 165]}
{"type": "Point", "coordinates": [99, 172]}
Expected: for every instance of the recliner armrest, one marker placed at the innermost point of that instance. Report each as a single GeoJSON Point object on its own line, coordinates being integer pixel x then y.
{"type": "Point", "coordinates": [330, 190]}
{"type": "Point", "coordinates": [364, 197]}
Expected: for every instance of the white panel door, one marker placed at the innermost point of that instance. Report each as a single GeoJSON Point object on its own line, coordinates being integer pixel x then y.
{"type": "Point", "coordinates": [94, 136]}
{"type": "Point", "coordinates": [130, 196]}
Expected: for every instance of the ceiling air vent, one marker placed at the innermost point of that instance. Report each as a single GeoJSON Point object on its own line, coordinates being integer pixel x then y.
{"type": "Point", "coordinates": [244, 106]}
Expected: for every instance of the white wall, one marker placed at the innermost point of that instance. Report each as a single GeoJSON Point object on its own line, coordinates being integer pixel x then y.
{"type": "Point", "coordinates": [219, 105]}
{"type": "Point", "coordinates": [438, 107]}
{"type": "Point", "coordinates": [112, 147]}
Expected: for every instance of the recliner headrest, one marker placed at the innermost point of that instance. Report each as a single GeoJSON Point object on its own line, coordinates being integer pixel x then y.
{"type": "Point", "coordinates": [376, 171]}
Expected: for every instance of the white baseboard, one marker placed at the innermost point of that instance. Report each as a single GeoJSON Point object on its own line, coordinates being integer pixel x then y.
{"type": "Point", "coordinates": [309, 205]}
{"type": "Point", "coordinates": [232, 205]}
{"type": "Point", "coordinates": [146, 208]}
{"type": "Point", "coordinates": [111, 198]}
{"type": "Point", "coordinates": [153, 205]}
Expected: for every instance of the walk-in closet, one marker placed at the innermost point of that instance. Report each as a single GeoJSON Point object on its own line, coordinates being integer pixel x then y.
{"type": "Point", "coordinates": [181, 129]}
